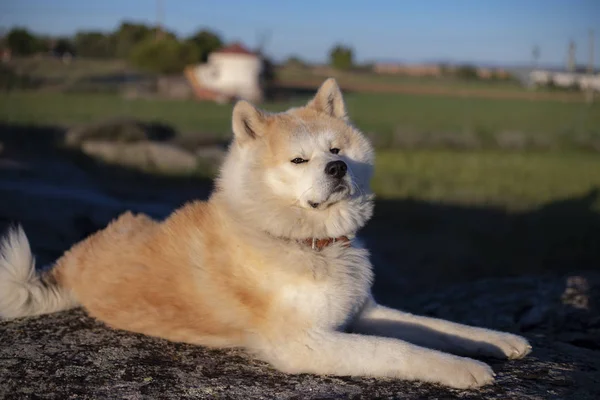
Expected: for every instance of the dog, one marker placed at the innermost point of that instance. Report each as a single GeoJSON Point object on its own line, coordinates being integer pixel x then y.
{"type": "Point", "coordinates": [269, 263]}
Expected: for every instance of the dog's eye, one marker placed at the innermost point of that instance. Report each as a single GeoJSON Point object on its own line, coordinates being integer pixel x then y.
{"type": "Point", "coordinates": [299, 160]}
{"type": "Point", "coordinates": [334, 151]}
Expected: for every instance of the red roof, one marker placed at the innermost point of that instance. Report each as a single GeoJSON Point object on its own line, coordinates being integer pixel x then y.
{"type": "Point", "coordinates": [235, 48]}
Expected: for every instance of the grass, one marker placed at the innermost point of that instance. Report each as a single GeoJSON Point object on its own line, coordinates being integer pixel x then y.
{"type": "Point", "coordinates": [383, 115]}
{"type": "Point", "coordinates": [369, 78]}
{"type": "Point", "coordinates": [53, 70]}
{"type": "Point", "coordinates": [513, 181]}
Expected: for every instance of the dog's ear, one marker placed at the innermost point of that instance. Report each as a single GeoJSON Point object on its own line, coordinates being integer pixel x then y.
{"type": "Point", "coordinates": [329, 100]}
{"type": "Point", "coordinates": [247, 122]}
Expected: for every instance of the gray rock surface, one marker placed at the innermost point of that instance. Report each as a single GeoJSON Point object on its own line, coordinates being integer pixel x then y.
{"type": "Point", "coordinates": [69, 355]}
{"type": "Point", "coordinates": [152, 156]}
{"type": "Point", "coordinates": [121, 130]}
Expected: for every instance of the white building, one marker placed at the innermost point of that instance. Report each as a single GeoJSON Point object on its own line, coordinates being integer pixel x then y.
{"type": "Point", "coordinates": [230, 72]}
{"type": "Point", "coordinates": [565, 79]}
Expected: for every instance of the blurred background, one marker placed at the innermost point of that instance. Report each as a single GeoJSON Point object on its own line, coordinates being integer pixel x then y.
{"type": "Point", "coordinates": [485, 116]}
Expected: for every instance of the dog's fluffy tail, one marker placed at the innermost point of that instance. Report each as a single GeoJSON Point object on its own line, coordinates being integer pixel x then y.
{"type": "Point", "coordinates": [23, 291]}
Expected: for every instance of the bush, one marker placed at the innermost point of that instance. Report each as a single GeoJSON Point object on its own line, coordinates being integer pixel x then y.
{"type": "Point", "coordinates": [295, 62]}
{"type": "Point", "coordinates": [206, 42]}
{"type": "Point", "coordinates": [23, 43]}
{"type": "Point", "coordinates": [341, 58]}
{"type": "Point", "coordinates": [467, 72]}
{"type": "Point", "coordinates": [95, 45]}
{"type": "Point", "coordinates": [11, 80]}
{"type": "Point", "coordinates": [166, 56]}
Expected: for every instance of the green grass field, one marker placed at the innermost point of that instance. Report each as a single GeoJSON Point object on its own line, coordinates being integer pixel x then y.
{"type": "Point", "coordinates": [383, 116]}
{"type": "Point", "coordinates": [512, 181]}
{"type": "Point", "coordinates": [509, 179]}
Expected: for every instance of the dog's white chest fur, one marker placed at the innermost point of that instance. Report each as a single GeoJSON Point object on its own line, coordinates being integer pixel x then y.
{"type": "Point", "coordinates": [335, 290]}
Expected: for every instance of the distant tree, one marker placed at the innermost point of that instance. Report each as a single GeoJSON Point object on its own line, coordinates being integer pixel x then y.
{"type": "Point", "coordinates": [467, 72]}
{"type": "Point", "coordinates": [3, 38]}
{"type": "Point", "coordinates": [23, 43]}
{"type": "Point", "coordinates": [295, 62]}
{"type": "Point", "coordinates": [129, 35]}
{"type": "Point", "coordinates": [205, 42]}
{"type": "Point", "coordinates": [341, 57]}
{"type": "Point", "coordinates": [445, 68]}
{"type": "Point", "coordinates": [95, 45]}
{"type": "Point", "coordinates": [365, 68]}
{"type": "Point", "coordinates": [164, 56]}
{"type": "Point", "coordinates": [63, 46]}
{"type": "Point", "coordinates": [268, 75]}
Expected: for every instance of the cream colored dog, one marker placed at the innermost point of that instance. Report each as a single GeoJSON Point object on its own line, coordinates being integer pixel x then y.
{"type": "Point", "coordinates": [269, 263]}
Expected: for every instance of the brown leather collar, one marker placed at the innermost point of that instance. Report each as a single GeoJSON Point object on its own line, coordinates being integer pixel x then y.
{"type": "Point", "coordinates": [320, 244]}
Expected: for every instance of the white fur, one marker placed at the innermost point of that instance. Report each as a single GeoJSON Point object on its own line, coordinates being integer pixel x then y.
{"type": "Point", "coordinates": [276, 200]}
{"type": "Point", "coordinates": [338, 299]}
{"type": "Point", "coordinates": [22, 291]}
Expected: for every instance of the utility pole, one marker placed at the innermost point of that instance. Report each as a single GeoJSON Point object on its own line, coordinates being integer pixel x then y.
{"type": "Point", "coordinates": [159, 19]}
{"type": "Point", "coordinates": [590, 91]}
{"type": "Point", "coordinates": [571, 57]}
{"type": "Point", "coordinates": [535, 52]}
{"type": "Point", "coordinates": [591, 65]}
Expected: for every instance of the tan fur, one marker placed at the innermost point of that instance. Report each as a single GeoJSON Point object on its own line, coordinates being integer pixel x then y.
{"type": "Point", "coordinates": [236, 271]}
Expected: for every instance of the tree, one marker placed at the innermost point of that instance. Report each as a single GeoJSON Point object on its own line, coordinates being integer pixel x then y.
{"type": "Point", "coordinates": [95, 45]}
{"type": "Point", "coordinates": [164, 56]}
{"type": "Point", "coordinates": [63, 46]}
{"type": "Point", "coordinates": [23, 43]}
{"type": "Point", "coordinates": [129, 35]}
{"type": "Point", "coordinates": [205, 42]}
{"type": "Point", "coordinates": [341, 57]}
{"type": "Point", "coordinates": [467, 72]}
{"type": "Point", "coordinates": [295, 62]}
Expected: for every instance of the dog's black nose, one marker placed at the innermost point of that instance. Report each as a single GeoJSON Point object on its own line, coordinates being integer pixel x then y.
{"type": "Point", "coordinates": [336, 169]}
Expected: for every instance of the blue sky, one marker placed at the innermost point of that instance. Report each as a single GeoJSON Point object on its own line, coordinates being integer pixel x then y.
{"type": "Point", "coordinates": [404, 30]}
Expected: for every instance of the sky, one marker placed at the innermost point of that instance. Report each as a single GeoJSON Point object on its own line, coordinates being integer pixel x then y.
{"type": "Point", "coordinates": [479, 31]}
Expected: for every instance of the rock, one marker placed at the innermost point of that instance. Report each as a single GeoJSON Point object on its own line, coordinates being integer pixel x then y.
{"type": "Point", "coordinates": [545, 303]}
{"type": "Point", "coordinates": [70, 355]}
{"type": "Point", "coordinates": [537, 315]}
{"type": "Point", "coordinates": [153, 156]}
{"type": "Point", "coordinates": [121, 130]}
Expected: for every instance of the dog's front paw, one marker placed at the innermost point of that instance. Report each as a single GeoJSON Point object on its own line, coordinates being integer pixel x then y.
{"type": "Point", "coordinates": [466, 374]}
{"type": "Point", "coordinates": [509, 346]}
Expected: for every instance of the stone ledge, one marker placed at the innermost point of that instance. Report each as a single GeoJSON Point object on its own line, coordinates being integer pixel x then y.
{"type": "Point", "coordinates": [69, 355]}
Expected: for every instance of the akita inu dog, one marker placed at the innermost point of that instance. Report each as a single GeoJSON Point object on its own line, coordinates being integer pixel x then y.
{"type": "Point", "coordinates": [269, 263]}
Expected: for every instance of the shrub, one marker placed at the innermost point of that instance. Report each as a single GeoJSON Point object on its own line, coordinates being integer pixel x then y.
{"type": "Point", "coordinates": [341, 57]}
{"type": "Point", "coordinates": [166, 56]}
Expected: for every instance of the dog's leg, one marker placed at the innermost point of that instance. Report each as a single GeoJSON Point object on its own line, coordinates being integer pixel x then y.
{"type": "Point", "coordinates": [438, 334]}
{"type": "Point", "coordinates": [344, 354]}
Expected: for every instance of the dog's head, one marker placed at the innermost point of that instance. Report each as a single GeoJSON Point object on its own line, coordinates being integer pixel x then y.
{"type": "Point", "coordinates": [302, 173]}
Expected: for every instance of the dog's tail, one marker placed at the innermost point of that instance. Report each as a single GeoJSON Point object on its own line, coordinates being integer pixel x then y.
{"type": "Point", "coordinates": [23, 291]}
